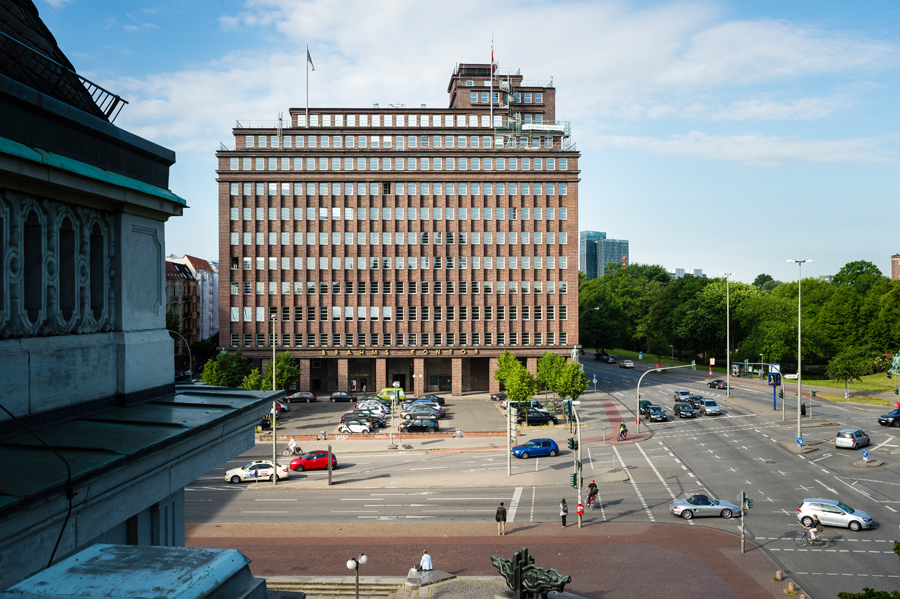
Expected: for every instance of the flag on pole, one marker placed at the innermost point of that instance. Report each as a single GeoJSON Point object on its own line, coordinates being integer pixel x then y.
{"type": "Point", "coordinates": [309, 60]}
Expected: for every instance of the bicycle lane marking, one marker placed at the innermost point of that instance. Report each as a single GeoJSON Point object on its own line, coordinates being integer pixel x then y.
{"type": "Point", "coordinates": [634, 485]}
{"type": "Point", "coordinates": [661, 479]}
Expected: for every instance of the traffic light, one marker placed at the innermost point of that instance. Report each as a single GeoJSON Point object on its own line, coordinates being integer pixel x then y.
{"type": "Point", "coordinates": [568, 407]}
{"type": "Point", "coordinates": [813, 394]}
{"type": "Point", "coordinates": [896, 391]}
{"type": "Point", "coordinates": [749, 503]}
{"type": "Point", "coordinates": [781, 394]}
{"type": "Point", "coordinates": [573, 480]}
{"type": "Point", "coordinates": [572, 444]}
{"type": "Point", "coordinates": [693, 365]}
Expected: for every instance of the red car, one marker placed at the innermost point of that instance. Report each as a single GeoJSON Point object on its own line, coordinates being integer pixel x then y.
{"type": "Point", "coordinates": [313, 460]}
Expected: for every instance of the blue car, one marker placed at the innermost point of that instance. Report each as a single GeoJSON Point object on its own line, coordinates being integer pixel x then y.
{"type": "Point", "coordinates": [536, 448]}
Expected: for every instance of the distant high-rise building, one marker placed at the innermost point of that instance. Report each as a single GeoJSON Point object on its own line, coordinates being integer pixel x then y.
{"type": "Point", "coordinates": [611, 250]}
{"type": "Point", "coordinates": [895, 267]}
{"type": "Point", "coordinates": [587, 252]}
{"type": "Point", "coordinates": [680, 272]}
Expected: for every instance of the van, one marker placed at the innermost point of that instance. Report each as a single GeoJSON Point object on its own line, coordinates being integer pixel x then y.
{"type": "Point", "coordinates": [392, 394]}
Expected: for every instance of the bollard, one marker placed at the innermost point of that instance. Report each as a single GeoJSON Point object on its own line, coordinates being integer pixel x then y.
{"type": "Point", "coordinates": [792, 587]}
{"type": "Point", "coordinates": [779, 575]}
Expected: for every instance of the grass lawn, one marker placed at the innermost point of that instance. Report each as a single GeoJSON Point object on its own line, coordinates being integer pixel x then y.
{"type": "Point", "coordinates": [873, 383]}
{"type": "Point", "coordinates": [871, 401]}
{"type": "Point", "coordinates": [624, 354]}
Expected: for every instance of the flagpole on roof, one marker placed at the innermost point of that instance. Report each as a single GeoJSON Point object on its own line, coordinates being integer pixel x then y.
{"type": "Point", "coordinates": [307, 86]}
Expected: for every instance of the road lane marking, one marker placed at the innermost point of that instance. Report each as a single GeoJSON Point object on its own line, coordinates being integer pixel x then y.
{"type": "Point", "coordinates": [826, 486]}
{"type": "Point", "coordinates": [275, 500]}
{"type": "Point", "coordinates": [261, 512]}
{"type": "Point", "coordinates": [636, 489]}
{"type": "Point", "coordinates": [514, 504]}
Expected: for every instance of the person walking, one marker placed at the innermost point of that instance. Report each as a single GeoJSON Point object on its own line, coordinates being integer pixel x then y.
{"type": "Point", "coordinates": [425, 564]}
{"type": "Point", "coordinates": [563, 511]}
{"type": "Point", "coordinates": [501, 519]}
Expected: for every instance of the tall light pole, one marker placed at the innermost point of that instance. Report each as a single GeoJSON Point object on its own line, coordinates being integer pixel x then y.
{"type": "Point", "coordinates": [672, 348]}
{"type": "Point", "coordinates": [274, 409]}
{"type": "Point", "coordinates": [727, 335]}
{"type": "Point", "coordinates": [353, 564]}
{"type": "Point", "coordinates": [800, 264]}
{"type": "Point", "coordinates": [190, 359]}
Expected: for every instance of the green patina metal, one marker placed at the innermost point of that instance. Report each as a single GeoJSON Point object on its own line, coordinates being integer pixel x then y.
{"type": "Point", "coordinates": [525, 579]}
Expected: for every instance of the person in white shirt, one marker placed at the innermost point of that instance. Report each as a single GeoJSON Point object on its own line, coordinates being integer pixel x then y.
{"type": "Point", "coordinates": [426, 564]}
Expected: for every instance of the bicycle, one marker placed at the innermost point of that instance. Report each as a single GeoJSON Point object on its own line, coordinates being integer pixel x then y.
{"type": "Point", "coordinates": [287, 451]}
{"type": "Point", "coordinates": [802, 539]}
{"type": "Point", "coordinates": [592, 502]}
{"type": "Point", "coordinates": [623, 436]}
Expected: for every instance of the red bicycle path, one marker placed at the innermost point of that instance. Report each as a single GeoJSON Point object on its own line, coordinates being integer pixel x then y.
{"type": "Point", "coordinates": [605, 559]}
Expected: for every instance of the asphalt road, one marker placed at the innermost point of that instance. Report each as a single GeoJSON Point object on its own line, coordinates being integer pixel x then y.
{"type": "Point", "coordinates": [715, 455]}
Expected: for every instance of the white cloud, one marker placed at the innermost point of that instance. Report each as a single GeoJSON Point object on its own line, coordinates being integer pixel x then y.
{"type": "Point", "coordinates": [753, 148]}
{"type": "Point", "coordinates": [56, 4]}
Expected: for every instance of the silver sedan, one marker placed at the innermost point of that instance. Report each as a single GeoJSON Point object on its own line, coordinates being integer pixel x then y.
{"type": "Point", "coordinates": [701, 505]}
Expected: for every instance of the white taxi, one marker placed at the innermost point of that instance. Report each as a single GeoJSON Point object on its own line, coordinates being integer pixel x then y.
{"type": "Point", "coordinates": [256, 470]}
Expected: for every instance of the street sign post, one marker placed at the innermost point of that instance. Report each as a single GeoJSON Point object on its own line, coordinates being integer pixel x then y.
{"type": "Point", "coordinates": [800, 441]}
{"type": "Point", "coordinates": [865, 455]}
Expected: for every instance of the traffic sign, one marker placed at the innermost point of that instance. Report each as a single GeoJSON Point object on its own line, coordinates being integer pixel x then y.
{"type": "Point", "coordinates": [792, 377]}
{"type": "Point", "coordinates": [595, 379]}
{"type": "Point", "coordinates": [865, 453]}
{"type": "Point", "coordinates": [640, 355]}
{"type": "Point", "coordinates": [799, 440]}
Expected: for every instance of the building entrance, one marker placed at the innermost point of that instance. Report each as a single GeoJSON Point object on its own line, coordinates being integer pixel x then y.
{"type": "Point", "coordinates": [400, 378]}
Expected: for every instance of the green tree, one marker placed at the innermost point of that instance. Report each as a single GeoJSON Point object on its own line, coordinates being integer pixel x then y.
{"type": "Point", "coordinates": [861, 275]}
{"type": "Point", "coordinates": [549, 367]}
{"type": "Point", "coordinates": [506, 365]}
{"type": "Point", "coordinates": [226, 369]}
{"type": "Point", "coordinates": [761, 280]}
{"type": "Point", "coordinates": [520, 383]}
{"type": "Point", "coordinates": [571, 381]}
{"type": "Point", "coordinates": [173, 321]}
{"type": "Point", "coordinates": [868, 593]}
{"type": "Point", "coordinates": [286, 371]}
{"type": "Point", "coordinates": [253, 381]}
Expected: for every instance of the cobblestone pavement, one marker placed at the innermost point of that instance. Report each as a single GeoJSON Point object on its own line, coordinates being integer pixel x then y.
{"type": "Point", "coordinates": [606, 560]}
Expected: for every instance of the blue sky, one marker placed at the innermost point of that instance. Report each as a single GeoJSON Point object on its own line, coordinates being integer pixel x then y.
{"type": "Point", "coordinates": [726, 136]}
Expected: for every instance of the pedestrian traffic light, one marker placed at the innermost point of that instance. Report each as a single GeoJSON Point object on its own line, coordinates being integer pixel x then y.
{"type": "Point", "coordinates": [693, 365]}
{"type": "Point", "coordinates": [781, 394]}
{"type": "Point", "coordinates": [573, 480]}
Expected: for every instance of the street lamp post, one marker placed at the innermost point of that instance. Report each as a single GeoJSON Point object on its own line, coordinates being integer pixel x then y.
{"type": "Point", "coordinates": [274, 411]}
{"type": "Point", "coordinates": [353, 564]}
{"type": "Point", "coordinates": [190, 358]}
{"type": "Point", "coordinates": [799, 349]}
{"type": "Point", "coordinates": [672, 348]}
{"type": "Point", "coordinates": [727, 335]}
{"type": "Point", "coordinates": [761, 364]}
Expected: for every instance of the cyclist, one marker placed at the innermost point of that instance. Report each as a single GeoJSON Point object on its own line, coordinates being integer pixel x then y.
{"type": "Point", "coordinates": [592, 491]}
{"type": "Point", "coordinates": [814, 529]}
{"type": "Point", "coordinates": [623, 432]}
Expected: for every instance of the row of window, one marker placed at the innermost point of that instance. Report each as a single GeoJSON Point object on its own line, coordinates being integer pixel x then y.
{"type": "Point", "coordinates": [396, 163]}
{"type": "Point", "coordinates": [399, 188]}
{"type": "Point", "coordinates": [396, 287]}
{"type": "Point", "coordinates": [382, 119]}
{"type": "Point", "coordinates": [347, 340]}
{"type": "Point", "coordinates": [528, 97]}
{"type": "Point", "coordinates": [348, 238]}
{"type": "Point", "coordinates": [401, 313]}
{"type": "Point", "coordinates": [362, 213]}
{"type": "Point", "coordinates": [412, 142]}
{"type": "Point", "coordinates": [418, 262]}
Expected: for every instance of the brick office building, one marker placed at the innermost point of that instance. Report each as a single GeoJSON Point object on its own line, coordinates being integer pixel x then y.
{"type": "Point", "coordinates": [409, 245]}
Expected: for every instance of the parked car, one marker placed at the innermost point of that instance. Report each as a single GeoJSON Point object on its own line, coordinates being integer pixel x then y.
{"type": "Point", "coordinates": [354, 426]}
{"type": "Point", "coordinates": [392, 393]}
{"type": "Point", "coordinates": [374, 406]}
{"type": "Point", "coordinates": [626, 364]}
{"type": "Point", "coordinates": [580, 351]}
{"type": "Point", "coordinates": [420, 425]}
{"type": "Point", "coordinates": [342, 396]}
{"type": "Point", "coordinates": [313, 460]}
{"type": "Point", "coordinates": [851, 438]}
{"type": "Point", "coordinates": [536, 417]}
{"type": "Point", "coordinates": [657, 414]}
{"type": "Point", "coordinates": [643, 406]}
{"type": "Point", "coordinates": [701, 505]}
{"type": "Point", "coordinates": [303, 396]}
{"type": "Point", "coordinates": [421, 412]}
{"type": "Point", "coordinates": [611, 360]}
{"type": "Point", "coordinates": [535, 449]}
{"type": "Point", "coordinates": [710, 407]}
{"type": "Point", "coordinates": [373, 421]}
{"type": "Point", "coordinates": [257, 470]}
{"type": "Point", "coordinates": [421, 403]}
{"type": "Point", "coordinates": [833, 513]}
{"type": "Point", "coordinates": [697, 401]}
{"type": "Point", "coordinates": [280, 408]}
{"type": "Point", "coordinates": [717, 384]}
{"type": "Point", "coordinates": [683, 410]}
{"type": "Point", "coordinates": [498, 396]}
{"type": "Point", "coordinates": [429, 397]}
{"type": "Point", "coordinates": [892, 418]}
{"type": "Point", "coordinates": [683, 395]}
{"type": "Point", "coordinates": [521, 405]}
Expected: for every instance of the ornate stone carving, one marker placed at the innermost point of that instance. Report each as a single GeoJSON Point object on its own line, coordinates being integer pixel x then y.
{"type": "Point", "coordinates": [56, 270]}
{"type": "Point", "coordinates": [525, 579]}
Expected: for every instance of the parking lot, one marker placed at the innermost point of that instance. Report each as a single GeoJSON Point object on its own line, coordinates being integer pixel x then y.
{"type": "Point", "coordinates": [468, 414]}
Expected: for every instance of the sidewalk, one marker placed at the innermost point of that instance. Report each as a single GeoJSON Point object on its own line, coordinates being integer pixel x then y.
{"type": "Point", "coordinates": [687, 562]}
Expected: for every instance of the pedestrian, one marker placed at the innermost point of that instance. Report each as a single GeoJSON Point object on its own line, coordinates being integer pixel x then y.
{"type": "Point", "coordinates": [426, 564]}
{"type": "Point", "coordinates": [563, 511]}
{"type": "Point", "coordinates": [364, 388]}
{"type": "Point", "coordinates": [501, 519]}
